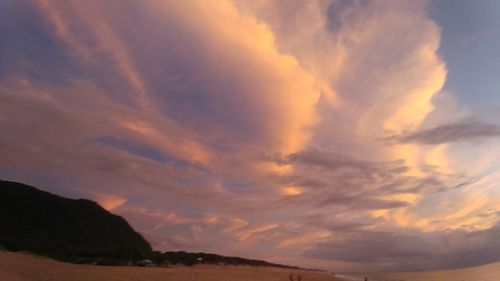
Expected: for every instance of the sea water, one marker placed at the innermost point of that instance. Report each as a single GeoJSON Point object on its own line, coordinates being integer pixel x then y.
{"type": "Point", "coordinates": [489, 272]}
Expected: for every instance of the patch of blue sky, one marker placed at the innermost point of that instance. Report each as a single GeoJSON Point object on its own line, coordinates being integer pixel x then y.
{"type": "Point", "coordinates": [469, 45]}
{"type": "Point", "coordinates": [30, 48]}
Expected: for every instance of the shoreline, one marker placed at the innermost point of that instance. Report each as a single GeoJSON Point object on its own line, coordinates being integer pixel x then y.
{"type": "Point", "coordinates": [18, 266]}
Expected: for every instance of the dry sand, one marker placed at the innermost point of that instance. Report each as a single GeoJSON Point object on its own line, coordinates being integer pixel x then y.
{"type": "Point", "coordinates": [25, 267]}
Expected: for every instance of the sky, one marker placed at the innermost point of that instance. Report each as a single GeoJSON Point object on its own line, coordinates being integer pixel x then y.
{"type": "Point", "coordinates": [348, 135]}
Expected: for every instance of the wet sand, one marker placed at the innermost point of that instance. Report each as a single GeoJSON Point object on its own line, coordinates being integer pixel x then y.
{"type": "Point", "coordinates": [26, 267]}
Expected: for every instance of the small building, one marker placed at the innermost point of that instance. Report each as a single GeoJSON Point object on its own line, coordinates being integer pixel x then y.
{"type": "Point", "coordinates": [144, 263]}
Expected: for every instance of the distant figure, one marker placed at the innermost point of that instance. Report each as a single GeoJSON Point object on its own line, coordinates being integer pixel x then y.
{"type": "Point", "coordinates": [300, 278]}
{"type": "Point", "coordinates": [291, 277]}
{"type": "Point", "coordinates": [366, 279]}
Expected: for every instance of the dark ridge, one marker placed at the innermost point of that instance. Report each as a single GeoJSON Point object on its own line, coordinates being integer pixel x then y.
{"type": "Point", "coordinates": [81, 231]}
{"type": "Point", "coordinates": [65, 229]}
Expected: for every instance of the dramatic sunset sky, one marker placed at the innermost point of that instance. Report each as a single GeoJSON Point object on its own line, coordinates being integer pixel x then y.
{"type": "Point", "coordinates": [344, 135]}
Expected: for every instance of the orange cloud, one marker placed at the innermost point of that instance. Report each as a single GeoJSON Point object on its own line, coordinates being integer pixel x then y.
{"type": "Point", "coordinates": [110, 202]}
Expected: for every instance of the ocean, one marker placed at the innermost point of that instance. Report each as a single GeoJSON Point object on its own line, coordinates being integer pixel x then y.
{"type": "Point", "coordinates": [489, 272]}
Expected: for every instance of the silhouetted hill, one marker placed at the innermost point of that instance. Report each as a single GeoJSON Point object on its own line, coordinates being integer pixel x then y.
{"type": "Point", "coordinates": [62, 228]}
{"type": "Point", "coordinates": [82, 231]}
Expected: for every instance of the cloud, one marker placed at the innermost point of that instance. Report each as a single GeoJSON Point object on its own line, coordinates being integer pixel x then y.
{"type": "Point", "coordinates": [329, 160]}
{"type": "Point", "coordinates": [411, 250]}
{"type": "Point", "coordinates": [240, 126]}
{"type": "Point", "coordinates": [319, 169]}
{"type": "Point", "coordinates": [188, 75]}
{"type": "Point", "coordinates": [376, 190]}
{"type": "Point", "coordinates": [465, 130]}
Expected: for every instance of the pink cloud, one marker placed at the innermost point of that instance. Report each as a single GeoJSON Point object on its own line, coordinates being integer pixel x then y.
{"type": "Point", "coordinates": [249, 128]}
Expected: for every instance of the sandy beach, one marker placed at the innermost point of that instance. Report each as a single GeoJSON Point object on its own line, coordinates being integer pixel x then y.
{"type": "Point", "coordinates": [26, 267]}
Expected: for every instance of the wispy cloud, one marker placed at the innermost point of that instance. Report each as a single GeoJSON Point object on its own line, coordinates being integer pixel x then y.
{"type": "Point", "coordinates": [465, 130]}
{"type": "Point", "coordinates": [342, 181]}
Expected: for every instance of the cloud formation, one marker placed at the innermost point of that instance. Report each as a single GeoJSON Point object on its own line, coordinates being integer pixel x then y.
{"type": "Point", "coordinates": [459, 131]}
{"type": "Point", "coordinates": [411, 250]}
{"type": "Point", "coordinates": [248, 128]}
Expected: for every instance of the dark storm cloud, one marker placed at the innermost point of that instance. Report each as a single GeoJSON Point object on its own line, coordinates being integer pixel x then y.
{"type": "Point", "coordinates": [412, 250]}
{"type": "Point", "coordinates": [464, 130]}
